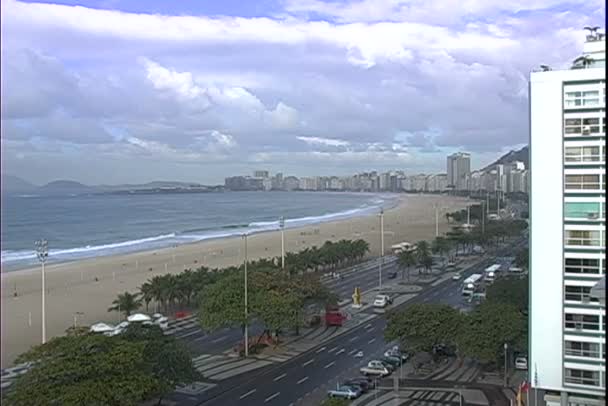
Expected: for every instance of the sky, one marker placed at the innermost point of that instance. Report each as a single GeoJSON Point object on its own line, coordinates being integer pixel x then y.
{"type": "Point", "coordinates": [117, 91]}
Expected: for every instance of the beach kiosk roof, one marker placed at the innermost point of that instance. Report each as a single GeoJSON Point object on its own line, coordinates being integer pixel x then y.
{"type": "Point", "coordinates": [139, 317]}
{"type": "Point", "coordinates": [101, 328]}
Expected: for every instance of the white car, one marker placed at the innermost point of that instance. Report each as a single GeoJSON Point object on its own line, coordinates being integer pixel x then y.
{"type": "Point", "coordinates": [378, 371]}
{"type": "Point", "coordinates": [456, 277]}
{"type": "Point", "coordinates": [521, 363]}
{"type": "Point", "coordinates": [382, 301]}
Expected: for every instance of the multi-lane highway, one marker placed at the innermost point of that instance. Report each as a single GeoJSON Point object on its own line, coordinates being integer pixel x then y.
{"type": "Point", "coordinates": [288, 382]}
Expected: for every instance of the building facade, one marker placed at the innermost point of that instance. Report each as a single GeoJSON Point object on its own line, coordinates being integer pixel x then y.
{"type": "Point", "coordinates": [459, 169]}
{"type": "Point", "coordinates": [567, 174]}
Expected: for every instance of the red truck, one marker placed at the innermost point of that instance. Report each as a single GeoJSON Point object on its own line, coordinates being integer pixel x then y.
{"type": "Point", "coordinates": [333, 316]}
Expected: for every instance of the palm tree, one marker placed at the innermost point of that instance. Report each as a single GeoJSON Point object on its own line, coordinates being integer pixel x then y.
{"type": "Point", "coordinates": [126, 303]}
{"type": "Point", "coordinates": [406, 259]}
{"type": "Point", "coordinates": [146, 293]}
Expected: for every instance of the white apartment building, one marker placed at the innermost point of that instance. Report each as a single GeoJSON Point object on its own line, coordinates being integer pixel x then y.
{"type": "Point", "coordinates": [567, 229]}
{"type": "Point", "coordinates": [459, 169]}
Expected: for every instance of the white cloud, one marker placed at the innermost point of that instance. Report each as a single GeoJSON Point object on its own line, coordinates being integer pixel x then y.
{"type": "Point", "coordinates": [282, 117]}
{"type": "Point", "coordinates": [330, 142]}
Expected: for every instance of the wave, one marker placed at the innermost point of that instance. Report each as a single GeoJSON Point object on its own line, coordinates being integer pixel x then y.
{"type": "Point", "coordinates": [192, 235]}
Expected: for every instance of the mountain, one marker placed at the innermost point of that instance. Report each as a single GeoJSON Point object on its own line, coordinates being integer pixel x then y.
{"type": "Point", "coordinates": [512, 156]}
{"type": "Point", "coordinates": [63, 187]}
{"type": "Point", "coordinates": [14, 184]}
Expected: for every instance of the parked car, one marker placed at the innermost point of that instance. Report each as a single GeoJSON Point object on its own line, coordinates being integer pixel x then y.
{"type": "Point", "coordinates": [380, 371]}
{"type": "Point", "coordinates": [521, 363]}
{"type": "Point", "coordinates": [379, 363]}
{"type": "Point", "coordinates": [346, 392]}
{"type": "Point", "coordinates": [397, 354]}
{"type": "Point", "coordinates": [365, 383]}
{"type": "Point", "coordinates": [394, 361]}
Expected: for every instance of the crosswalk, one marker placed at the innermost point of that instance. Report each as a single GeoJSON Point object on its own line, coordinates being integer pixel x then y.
{"type": "Point", "coordinates": [185, 323]}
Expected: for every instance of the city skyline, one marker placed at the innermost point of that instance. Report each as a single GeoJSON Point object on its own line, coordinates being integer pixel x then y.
{"type": "Point", "coordinates": [320, 90]}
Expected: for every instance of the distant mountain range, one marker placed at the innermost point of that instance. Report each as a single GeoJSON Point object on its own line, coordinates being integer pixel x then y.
{"type": "Point", "coordinates": [512, 156]}
{"type": "Point", "coordinates": [15, 185]}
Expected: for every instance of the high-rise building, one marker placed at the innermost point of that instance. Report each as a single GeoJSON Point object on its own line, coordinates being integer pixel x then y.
{"type": "Point", "coordinates": [261, 174]}
{"type": "Point", "coordinates": [567, 329]}
{"type": "Point", "coordinates": [459, 168]}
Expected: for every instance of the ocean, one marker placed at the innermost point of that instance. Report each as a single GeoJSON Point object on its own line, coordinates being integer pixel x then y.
{"type": "Point", "coordinates": [78, 227]}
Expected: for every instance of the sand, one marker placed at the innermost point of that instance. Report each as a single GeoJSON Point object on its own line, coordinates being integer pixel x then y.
{"type": "Point", "coordinates": [75, 296]}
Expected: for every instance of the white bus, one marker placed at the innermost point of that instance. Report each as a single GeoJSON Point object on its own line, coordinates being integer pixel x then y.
{"type": "Point", "coordinates": [490, 273]}
{"type": "Point", "coordinates": [469, 284]}
{"type": "Point", "coordinates": [402, 247]}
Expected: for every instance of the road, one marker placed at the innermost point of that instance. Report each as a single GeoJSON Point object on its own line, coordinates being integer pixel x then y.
{"type": "Point", "coordinates": [288, 382]}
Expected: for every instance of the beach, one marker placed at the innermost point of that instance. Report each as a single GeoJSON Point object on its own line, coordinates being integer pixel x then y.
{"type": "Point", "coordinates": [80, 292]}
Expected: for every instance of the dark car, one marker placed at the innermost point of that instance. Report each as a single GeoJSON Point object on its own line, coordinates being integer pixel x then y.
{"type": "Point", "coordinates": [364, 382]}
{"type": "Point", "coordinates": [394, 361]}
{"type": "Point", "coordinates": [363, 385]}
{"type": "Point", "coordinates": [392, 275]}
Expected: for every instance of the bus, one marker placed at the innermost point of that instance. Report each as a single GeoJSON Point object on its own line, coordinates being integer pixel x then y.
{"type": "Point", "coordinates": [470, 283]}
{"type": "Point", "coordinates": [402, 247]}
{"type": "Point", "coordinates": [490, 273]}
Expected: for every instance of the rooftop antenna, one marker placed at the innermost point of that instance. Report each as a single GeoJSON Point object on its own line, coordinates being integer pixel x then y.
{"type": "Point", "coordinates": [592, 31]}
{"type": "Point", "coordinates": [545, 68]}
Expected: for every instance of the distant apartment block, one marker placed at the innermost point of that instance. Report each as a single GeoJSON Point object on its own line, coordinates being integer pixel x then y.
{"type": "Point", "coordinates": [459, 169]}
{"type": "Point", "coordinates": [567, 329]}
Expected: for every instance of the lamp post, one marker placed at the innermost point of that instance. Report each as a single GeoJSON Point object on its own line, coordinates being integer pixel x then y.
{"type": "Point", "coordinates": [76, 318]}
{"type": "Point", "coordinates": [246, 299]}
{"type": "Point", "coordinates": [282, 226]}
{"type": "Point", "coordinates": [436, 220]}
{"type": "Point", "coordinates": [381, 248]}
{"type": "Point", "coordinates": [505, 347]}
{"type": "Point", "coordinates": [42, 251]}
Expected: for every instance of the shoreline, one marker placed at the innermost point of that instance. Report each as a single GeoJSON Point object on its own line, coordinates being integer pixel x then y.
{"type": "Point", "coordinates": [165, 239]}
{"type": "Point", "coordinates": [79, 292]}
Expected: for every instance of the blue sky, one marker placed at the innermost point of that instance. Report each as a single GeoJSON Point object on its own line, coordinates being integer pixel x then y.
{"type": "Point", "coordinates": [133, 91]}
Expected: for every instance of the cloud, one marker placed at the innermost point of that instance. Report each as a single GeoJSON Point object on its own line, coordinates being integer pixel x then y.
{"type": "Point", "coordinates": [314, 86]}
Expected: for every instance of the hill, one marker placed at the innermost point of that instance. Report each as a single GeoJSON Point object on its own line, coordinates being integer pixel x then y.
{"type": "Point", "coordinates": [512, 156]}
{"type": "Point", "coordinates": [65, 187]}
{"type": "Point", "coordinates": [14, 184]}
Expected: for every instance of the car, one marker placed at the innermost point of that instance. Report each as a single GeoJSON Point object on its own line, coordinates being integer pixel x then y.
{"type": "Point", "coordinates": [382, 301]}
{"type": "Point", "coordinates": [346, 392]}
{"type": "Point", "coordinates": [394, 361]}
{"type": "Point", "coordinates": [396, 354]}
{"type": "Point", "coordinates": [392, 275]}
{"type": "Point", "coordinates": [521, 363]}
{"type": "Point", "coordinates": [379, 363]}
{"type": "Point", "coordinates": [362, 384]}
{"type": "Point", "coordinates": [456, 276]}
{"type": "Point", "coordinates": [380, 371]}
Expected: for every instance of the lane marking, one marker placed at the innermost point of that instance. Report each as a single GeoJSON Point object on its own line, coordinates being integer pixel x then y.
{"type": "Point", "coordinates": [368, 326]}
{"type": "Point", "coordinates": [217, 340]}
{"type": "Point", "coordinates": [278, 378]}
{"type": "Point", "coordinates": [303, 380]}
{"type": "Point", "coordinates": [330, 364]}
{"type": "Point", "coordinates": [247, 394]}
{"type": "Point", "coordinates": [321, 349]}
{"type": "Point", "coordinates": [308, 362]}
{"type": "Point", "coordinates": [269, 398]}
{"type": "Point", "coordinates": [189, 334]}
{"type": "Point", "coordinates": [333, 349]}
{"type": "Point", "coordinates": [352, 352]}
{"type": "Point", "coordinates": [371, 341]}
{"type": "Point", "coordinates": [341, 351]}
{"type": "Point", "coordinates": [353, 339]}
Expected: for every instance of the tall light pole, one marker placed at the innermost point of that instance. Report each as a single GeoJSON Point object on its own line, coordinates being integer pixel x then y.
{"type": "Point", "coordinates": [282, 225]}
{"type": "Point", "coordinates": [506, 347]}
{"type": "Point", "coordinates": [436, 220]}
{"type": "Point", "coordinates": [246, 300]}
{"type": "Point", "coordinates": [42, 251]}
{"type": "Point", "coordinates": [381, 248]}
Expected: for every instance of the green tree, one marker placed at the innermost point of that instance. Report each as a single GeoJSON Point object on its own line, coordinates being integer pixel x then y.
{"type": "Point", "coordinates": [522, 257]}
{"type": "Point", "coordinates": [222, 304]}
{"type": "Point", "coordinates": [421, 326]}
{"type": "Point", "coordinates": [509, 291]}
{"type": "Point", "coordinates": [423, 254]}
{"type": "Point", "coordinates": [406, 260]}
{"type": "Point", "coordinates": [126, 303]}
{"type": "Point", "coordinates": [485, 331]}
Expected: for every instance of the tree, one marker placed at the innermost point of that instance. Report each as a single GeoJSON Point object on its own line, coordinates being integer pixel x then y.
{"type": "Point", "coordinates": [509, 291]}
{"type": "Point", "coordinates": [485, 331]}
{"type": "Point", "coordinates": [126, 303]}
{"type": "Point", "coordinates": [423, 254]}
{"type": "Point", "coordinates": [522, 258]}
{"type": "Point", "coordinates": [422, 326]}
{"type": "Point", "coordinates": [406, 260]}
{"type": "Point", "coordinates": [222, 304]}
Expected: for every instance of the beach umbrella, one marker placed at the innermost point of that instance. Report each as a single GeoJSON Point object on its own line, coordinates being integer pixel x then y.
{"type": "Point", "coordinates": [122, 325]}
{"type": "Point", "coordinates": [101, 328]}
{"type": "Point", "coordinates": [137, 317]}
{"type": "Point", "coordinates": [157, 315]}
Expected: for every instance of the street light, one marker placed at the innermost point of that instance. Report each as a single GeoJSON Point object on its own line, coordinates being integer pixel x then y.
{"type": "Point", "coordinates": [381, 247]}
{"type": "Point", "coordinates": [76, 318]}
{"type": "Point", "coordinates": [246, 310]}
{"type": "Point", "coordinates": [506, 347]}
{"type": "Point", "coordinates": [42, 251]}
{"type": "Point", "coordinates": [282, 226]}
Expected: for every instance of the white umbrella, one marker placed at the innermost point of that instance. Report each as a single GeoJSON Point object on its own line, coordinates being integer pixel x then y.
{"type": "Point", "coordinates": [101, 328]}
{"type": "Point", "coordinates": [138, 317]}
{"type": "Point", "coordinates": [157, 315]}
{"type": "Point", "coordinates": [122, 325]}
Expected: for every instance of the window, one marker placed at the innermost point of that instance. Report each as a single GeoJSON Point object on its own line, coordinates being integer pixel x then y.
{"type": "Point", "coordinates": [582, 265]}
{"type": "Point", "coordinates": [582, 377]}
{"type": "Point", "coordinates": [582, 154]}
{"type": "Point", "coordinates": [588, 98]}
{"type": "Point", "coordinates": [583, 182]}
{"type": "Point", "coordinates": [582, 126]}
{"type": "Point", "coordinates": [579, 294]}
{"type": "Point", "coordinates": [585, 238]}
{"type": "Point", "coordinates": [582, 322]}
{"type": "Point", "coordinates": [582, 210]}
{"type": "Point", "coordinates": [582, 349]}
